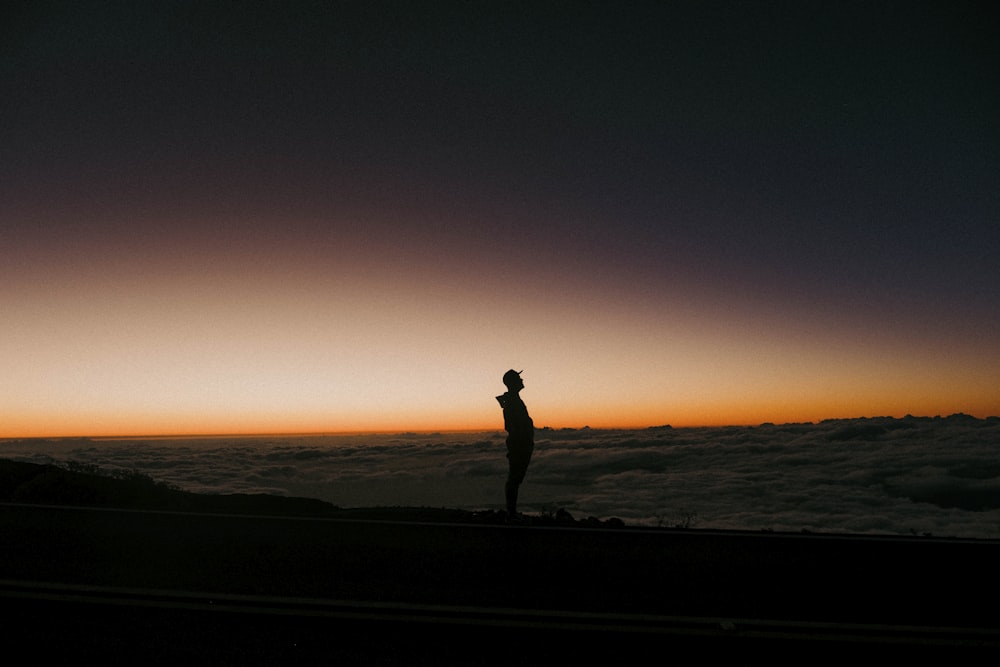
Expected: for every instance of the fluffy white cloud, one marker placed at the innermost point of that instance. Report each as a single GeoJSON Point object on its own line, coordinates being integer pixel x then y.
{"type": "Point", "coordinates": [882, 475]}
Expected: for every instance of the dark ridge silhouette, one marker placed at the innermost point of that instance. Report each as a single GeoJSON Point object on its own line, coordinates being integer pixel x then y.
{"type": "Point", "coordinates": [87, 486]}
{"type": "Point", "coordinates": [45, 484]}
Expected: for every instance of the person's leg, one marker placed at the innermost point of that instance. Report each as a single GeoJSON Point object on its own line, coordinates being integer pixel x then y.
{"type": "Point", "coordinates": [518, 457]}
{"type": "Point", "coordinates": [510, 491]}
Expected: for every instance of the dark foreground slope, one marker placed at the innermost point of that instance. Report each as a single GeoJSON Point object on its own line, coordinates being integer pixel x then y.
{"type": "Point", "coordinates": [32, 483]}
{"type": "Point", "coordinates": [166, 587]}
{"type": "Point", "coordinates": [41, 484]}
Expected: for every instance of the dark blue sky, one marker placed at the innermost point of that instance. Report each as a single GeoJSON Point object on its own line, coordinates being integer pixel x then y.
{"type": "Point", "coordinates": [854, 140]}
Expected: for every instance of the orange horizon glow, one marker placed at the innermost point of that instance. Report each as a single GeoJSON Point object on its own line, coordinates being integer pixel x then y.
{"type": "Point", "coordinates": [356, 332]}
{"type": "Point", "coordinates": [322, 343]}
{"type": "Point", "coordinates": [57, 429]}
{"type": "Point", "coordinates": [196, 352]}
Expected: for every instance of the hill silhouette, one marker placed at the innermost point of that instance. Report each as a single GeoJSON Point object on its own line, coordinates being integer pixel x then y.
{"type": "Point", "coordinates": [46, 484]}
{"type": "Point", "coordinates": [87, 486]}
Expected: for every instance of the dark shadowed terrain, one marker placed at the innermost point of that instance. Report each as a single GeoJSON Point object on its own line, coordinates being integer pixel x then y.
{"type": "Point", "coordinates": [78, 485]}
{"type": "Point", "coordinates": [127, 569]}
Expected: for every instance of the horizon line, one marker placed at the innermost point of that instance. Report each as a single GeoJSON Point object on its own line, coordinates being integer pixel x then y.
{"type": "Point", "coordinates": [306, 434]}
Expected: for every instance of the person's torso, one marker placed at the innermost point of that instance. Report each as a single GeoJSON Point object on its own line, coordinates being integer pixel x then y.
{"type": "Point", "coordinates": [516, 419]}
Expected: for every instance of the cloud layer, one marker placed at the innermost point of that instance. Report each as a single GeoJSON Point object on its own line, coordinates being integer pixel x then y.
{"type": "Point", "coordinates": [880, 476]}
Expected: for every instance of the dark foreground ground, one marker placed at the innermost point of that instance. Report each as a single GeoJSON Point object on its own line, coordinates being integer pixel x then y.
{"type": "Point", "coordinates": [144, 586]}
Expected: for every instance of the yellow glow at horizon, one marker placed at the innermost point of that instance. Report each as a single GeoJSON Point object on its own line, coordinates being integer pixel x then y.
{"type": "Point", "coordinates": [248, 343]}
{"type": "Point", "coordinates": [216, 375]}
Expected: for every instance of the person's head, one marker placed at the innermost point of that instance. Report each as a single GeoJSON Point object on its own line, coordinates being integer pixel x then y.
{"type": "Point", "coordinates": [513, 380]}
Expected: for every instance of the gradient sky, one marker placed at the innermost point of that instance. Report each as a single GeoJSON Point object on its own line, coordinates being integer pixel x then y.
{"type": "Point", "coordinates": [338, 216]}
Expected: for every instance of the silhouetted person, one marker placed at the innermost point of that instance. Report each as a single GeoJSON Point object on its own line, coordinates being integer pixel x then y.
{"type": "Point", "coordinates": [520, 437]}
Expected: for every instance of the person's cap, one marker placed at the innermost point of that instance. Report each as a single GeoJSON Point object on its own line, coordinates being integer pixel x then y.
{"type": "Point", "coordinates": [511, 376]}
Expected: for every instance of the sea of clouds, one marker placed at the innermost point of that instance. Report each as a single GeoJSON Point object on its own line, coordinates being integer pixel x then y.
{"type": "Point", "coordinates": [938, 476]}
